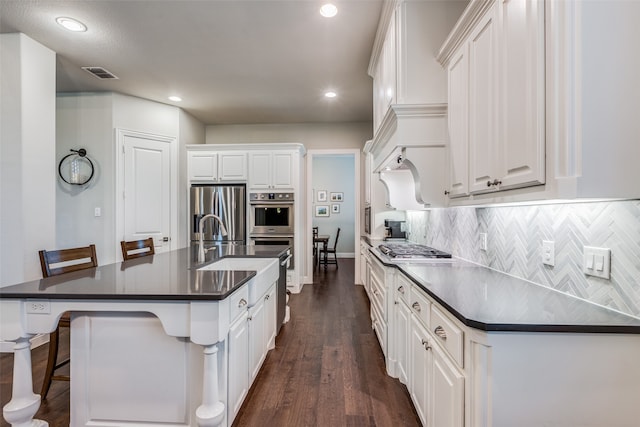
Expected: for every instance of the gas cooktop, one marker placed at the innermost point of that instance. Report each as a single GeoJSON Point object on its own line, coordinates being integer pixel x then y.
{"type": "Point", "coordinates": [411, 250]}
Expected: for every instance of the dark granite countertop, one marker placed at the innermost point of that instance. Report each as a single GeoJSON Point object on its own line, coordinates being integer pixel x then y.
{"type": "Point", "coordinates": [489, 300]}
{"type": "Point", "coordinates": [170, 275]}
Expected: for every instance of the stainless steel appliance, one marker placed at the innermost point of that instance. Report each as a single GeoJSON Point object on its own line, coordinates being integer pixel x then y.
{"type": "Point", "coordinates": [282, 288]}
{"type": "Point", "coordinates": [271, 219]}
{"type": "Point", "coordinates": [271, 213]}
{"type": "Point", "coordinates": [274, 240]}
{"type": "Point", "coordinates": [394, 230]}
{"type": "Point", "coordinates": [411, 251]}
{"type": "Point", "coordinates": [226, 201]}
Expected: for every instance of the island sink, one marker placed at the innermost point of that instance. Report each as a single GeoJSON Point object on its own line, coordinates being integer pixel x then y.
{"type": "Point", "coordinates": [266, 269]}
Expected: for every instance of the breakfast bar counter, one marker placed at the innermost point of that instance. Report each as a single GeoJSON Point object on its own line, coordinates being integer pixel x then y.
{"type": "Point", "coordinates": [151, 329]}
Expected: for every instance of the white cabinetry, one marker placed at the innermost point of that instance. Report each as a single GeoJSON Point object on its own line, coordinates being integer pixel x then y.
{"type": "Point", "coordinates": [262, 329]}
{"type": "Point", "coordinates": [271, 170]}
{"type": "Point", "coordinates": [496, 96]}
{"type": "Point", "coordinates": [212, 167]}
{"type": "Point", "coordinates": [238, 380]}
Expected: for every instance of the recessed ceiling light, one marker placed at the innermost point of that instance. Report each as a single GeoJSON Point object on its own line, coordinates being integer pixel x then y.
{"type": "Point", "coordinates": [330, 94]}
{"type": "Point", "coordinates": [175, 98]}
{"type": "Point", "coordinates": [328, 10]}
{"type": "Point", "coordinates": [71, 24]}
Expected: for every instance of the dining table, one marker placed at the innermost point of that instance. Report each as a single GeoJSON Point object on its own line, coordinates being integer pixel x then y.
{"type": "Point", "coordinates": [321, 238]}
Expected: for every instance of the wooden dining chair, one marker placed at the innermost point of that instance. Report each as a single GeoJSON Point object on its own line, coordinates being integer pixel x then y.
{"type": "Point", "coordinates": [54, 263]}
{"type": "Point", "coordinates": [315, 244]}
{"type": "Point", "coordinates": [137, 248]}
{"type": "Point", "coordinates": [324, 252]}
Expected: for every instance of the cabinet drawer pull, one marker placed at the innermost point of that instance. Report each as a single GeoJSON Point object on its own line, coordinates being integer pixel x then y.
{"type": "Point", "coordinates": [440, 332]}
{"type": "Point", "coordinates": [426, 345]}
{"type": "Point", "coordinates": [401, 290]}
{"type": "Point", "coordinates": [242, 302]}
{"type": "Point", "coordinates": [416, 306]}
{"type": "Point", "coordinates": [266, 297]}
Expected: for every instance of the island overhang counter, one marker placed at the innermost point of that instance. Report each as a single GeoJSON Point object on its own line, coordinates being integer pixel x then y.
{"type": "Point", "coordinates": [157, 324]}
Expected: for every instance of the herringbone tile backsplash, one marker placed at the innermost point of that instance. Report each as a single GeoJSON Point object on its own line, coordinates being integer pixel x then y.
{"type": "Point", "coordinates": [515, 236]}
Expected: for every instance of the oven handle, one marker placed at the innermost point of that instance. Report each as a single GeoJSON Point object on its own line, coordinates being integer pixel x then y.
{"type": "Point", "coordinates": [286, 260]}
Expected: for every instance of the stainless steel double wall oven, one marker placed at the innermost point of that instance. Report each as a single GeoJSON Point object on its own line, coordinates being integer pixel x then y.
{"type": "Point", "coordinates": [271, 219]}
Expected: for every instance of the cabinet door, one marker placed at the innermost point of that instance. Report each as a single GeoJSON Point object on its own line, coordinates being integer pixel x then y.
{"type": "Point", "coordinates": [447, 404]}
{"type": "Point", "coordinates": [419, 362]}
{"type": "Point", "coordinates": [203, 167]}
{"type": "Point", "coordinates": [522, 97]}
{"type": "Point", "coordinates": [238, 357]}
{"type": "Point", "coordinates": [282, 175]}
{"type": "Point", "coordinates": [402, 336]}
{"type": "Point", "coordinates": [483, 137]}
{"type": "Point", "coordinates": [260, 167]}
{"type": "Point", "coordinates": [232, 167]}
{"type": "Point", "coordinates": [257, 342]}
{"type": "Point", "coordinates": [458, 72]}
{"type": "Point", "coordinates": [270, 318]}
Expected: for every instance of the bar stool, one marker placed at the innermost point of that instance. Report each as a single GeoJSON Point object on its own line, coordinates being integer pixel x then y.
{"type": "Point", "coordinates": [75, 259]}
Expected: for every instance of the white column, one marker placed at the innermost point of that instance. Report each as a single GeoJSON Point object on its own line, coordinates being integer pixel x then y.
{"type": "Point", "coordinates": [24, 402]}
{"type": "Point", "coordinates": [211, 412]}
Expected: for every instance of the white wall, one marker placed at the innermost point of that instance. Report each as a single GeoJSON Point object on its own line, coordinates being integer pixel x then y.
{"type": "Point", "coordinates": [311, 135]}
{"type": "Point", "coordinates": [89, 120]}
{"type": "Point", "coordinates": [336, 173]}
{"type": "Point", "coordinates": [27, 156]}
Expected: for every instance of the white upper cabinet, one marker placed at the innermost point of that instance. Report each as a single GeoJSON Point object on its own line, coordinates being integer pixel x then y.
{"type": "Point", "coordinates": [496, 99]}
{"type": "Point", "coordinates": [548, 93]}
{"type": "Point", "coordinates": [272, 170]}
{"type": "Point", "coordinates": [212, 167]}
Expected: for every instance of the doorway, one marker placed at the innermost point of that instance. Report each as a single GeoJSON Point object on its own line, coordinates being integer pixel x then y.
{"type": "Point", "coordinates": [332, 201]}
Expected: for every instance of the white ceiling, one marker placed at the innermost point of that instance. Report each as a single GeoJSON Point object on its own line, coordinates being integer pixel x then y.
{"type": "Point", "coordinates": [231, 61]}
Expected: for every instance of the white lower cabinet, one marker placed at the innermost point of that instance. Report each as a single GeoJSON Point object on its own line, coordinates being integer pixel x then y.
{"type": "Point", "coordinates": [238, 379]}
{"type": "Point", "coordinates": [419, 361]}
{"type": "Point", "coordinates": [251, 337]}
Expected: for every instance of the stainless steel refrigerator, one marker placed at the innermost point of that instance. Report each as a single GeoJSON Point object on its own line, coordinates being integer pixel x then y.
{"type": "Point", "coordinates": [226, 201]}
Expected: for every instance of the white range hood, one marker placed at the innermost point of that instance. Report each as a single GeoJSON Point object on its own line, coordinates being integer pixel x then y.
{"type": "Point", "coordinates": [409, 154]}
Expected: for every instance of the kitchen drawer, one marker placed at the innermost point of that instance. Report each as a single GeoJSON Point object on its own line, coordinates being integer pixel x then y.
{"type": "Point", "coordinates": [403, 289]}
{"type": "Point", "coordinates": [238, 302]}
{"type": "Point", "coordinates": [380, 328]}
{"type": "Point", "coordinates": [420, 306]}
{"type": "Point", "coordinates": [376, 267]}
{"type": "Point", "coordinates": [377, 301]}
{"type": "Point", "coordinates": [450, 337]}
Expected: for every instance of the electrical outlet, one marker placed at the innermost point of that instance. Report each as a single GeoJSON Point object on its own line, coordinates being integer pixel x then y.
{"type": "Point", "coordinates": [597, 262]}
{"type": "Point", "coordinates": [38, 307]}
{"type": "Point", "coordinates": [97, 212]}
{"type": "Point", "coordinates": [548, 252]}
{"type": "Point", "coordinates": [483, 241]}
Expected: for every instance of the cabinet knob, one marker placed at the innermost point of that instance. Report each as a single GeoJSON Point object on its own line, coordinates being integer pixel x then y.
{"type": "Point", "coordinates": [447, 192]}
{"type": "Point", "coordinates": [489, 183]}
{"type": "Point", "coordinates": [401, 289]}
{"type": "Point", "coordinates": [426, 345]}
{"type": "Point", "coordinates": [439, 331]}
{"type": "Point", "coordinates": [242, 302]}
{"type": "Point", "coordinates": [416, 306]}
{"type": "Point", "coordinates": [495, 182]}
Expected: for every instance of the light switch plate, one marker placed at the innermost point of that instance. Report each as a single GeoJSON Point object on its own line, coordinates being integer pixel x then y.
{"type": "Point", "coordinates": [548, 252]}
{"type": "Point", "coordinates": [483, 241]}
{"type": "Point", "coordinates": [597, 262]}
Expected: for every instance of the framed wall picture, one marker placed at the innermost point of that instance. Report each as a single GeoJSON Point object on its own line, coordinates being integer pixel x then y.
{"type": "Point", "coordinates": [335, 208]}
{"type": "Point", "coordinates": [322, 210]}
{"type": "Point", "coordinates": [337, 197]}
{"type": "Point", "coordinates": [321, 195]}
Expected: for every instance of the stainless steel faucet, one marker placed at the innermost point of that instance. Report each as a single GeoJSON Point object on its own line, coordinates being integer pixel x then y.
{"type": "Point", "coordinates": [201, 249]}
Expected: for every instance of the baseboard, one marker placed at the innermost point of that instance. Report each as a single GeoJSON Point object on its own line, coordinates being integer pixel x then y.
{"type": "Point", "coordinates": [37, 341]}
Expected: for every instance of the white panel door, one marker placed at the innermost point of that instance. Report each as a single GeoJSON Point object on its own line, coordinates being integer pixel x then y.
{"type": "Point", "coordinates": [483, 148]}
{"type": "Point", "coordinates": [260, 170]}
{"type": "Point", "coordinates": [522, 88]}
{"type": "Point", "coordinates": [147, 189]}
{"type": "Point", "coordinates": [458, 73]}
{"type": "Point", "coordinates": [282, 170]}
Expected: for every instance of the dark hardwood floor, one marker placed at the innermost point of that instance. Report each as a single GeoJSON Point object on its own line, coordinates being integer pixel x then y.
{"type": "Point", "coordinates": [327, 368]}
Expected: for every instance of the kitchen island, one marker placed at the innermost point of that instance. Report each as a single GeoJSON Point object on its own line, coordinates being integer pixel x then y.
{"type": "Point", "coordinates": [477, 347]}
{"type": "Point", "coordinates": [151, 337]}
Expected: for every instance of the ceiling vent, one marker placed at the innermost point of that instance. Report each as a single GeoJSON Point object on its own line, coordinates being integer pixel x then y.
{"type": "Point", "coordinates": [100, 73]}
